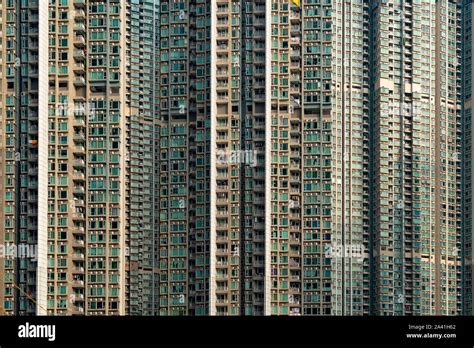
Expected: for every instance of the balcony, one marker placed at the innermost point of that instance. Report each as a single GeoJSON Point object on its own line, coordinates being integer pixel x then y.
{"type": "Point", "coordinates": [78, 270]}
{"type": "Point", "coordinates": [259, 21]}
{"type": "Point", "coordinates": [294, 264]}
{"type": "Point", "coordinates": [294, 16]}
{"type": "Point", "coordinates": [79, 149]}
{"type": "Point", "coordinates": [33, 103]}
{"type": "Point", "coordinates": [33, 73]}
{"type": "Point", "coordinates": [33, 143]}
{"type": "Point", "coordinates": [32, 212]}
{"type": "Point", "coordinates": [79, 297]}
{"type": "Point", "coordinates": [79, 190]}
{"type": "Point", "coordinates": [33, 130]}
{"type": "Point", "coordinates": [77, 310]}
{"type": "Point", "coordinates": [295, 252]}
{"type": "Point", "coordinates": [295, 65]}
{"type": "Point", "coordinates": [77, 243]}
{"type": "Point", "coordinates": [79, 98]}
{"type": "Point", "coordinates": [79, 122]}
{"type": "Point", "coordinates": [79, 27]}
{"type": "Point", "coordinates": [295, 165]}
{"type": "Point", "coordinates": [294, 240]}
{"type": "Point", "coordinates": [33, 198]}
{"type": "Point", "coordinates": [295, 141]}
{"type": "Point", "coordinates": [78, 203]}
{"type": "Point", "coordinates": [33, 17]}
{"type": "Point", "coordinates": [222, 22]}
{"type": "Point", "coordinates": [78, 217]}
{"type": "Point", "coordinates": [33, 31]}
{"type": "Point", "coordinates": [79, 14]}
{"type": "Point", "coordinates": [78, 67]}
{"type": "Point", "coordinates": [79, 137]}
{"type": "Point", "coordinates": [221, 276]}
{"type": "Point", "coordinates": [78, 257]}
{"type": "Point", "coordinates": [222, 199]}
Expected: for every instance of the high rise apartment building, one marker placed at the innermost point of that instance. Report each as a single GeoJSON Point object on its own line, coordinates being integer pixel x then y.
{"type": "Point", "coordinates": [142, 143]}
{"type": "Point", "coordinates": [184, 157]}
{"type": "Point", "coordinates": [233, 157]}
{"type": "Point", "coordinates": [24, 153]}
{"type": "Point", "coordinates": [63, 156]}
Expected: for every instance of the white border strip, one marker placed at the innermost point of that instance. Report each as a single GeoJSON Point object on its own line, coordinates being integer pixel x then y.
{"type": "Point", "coordinates": [213, 170]}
